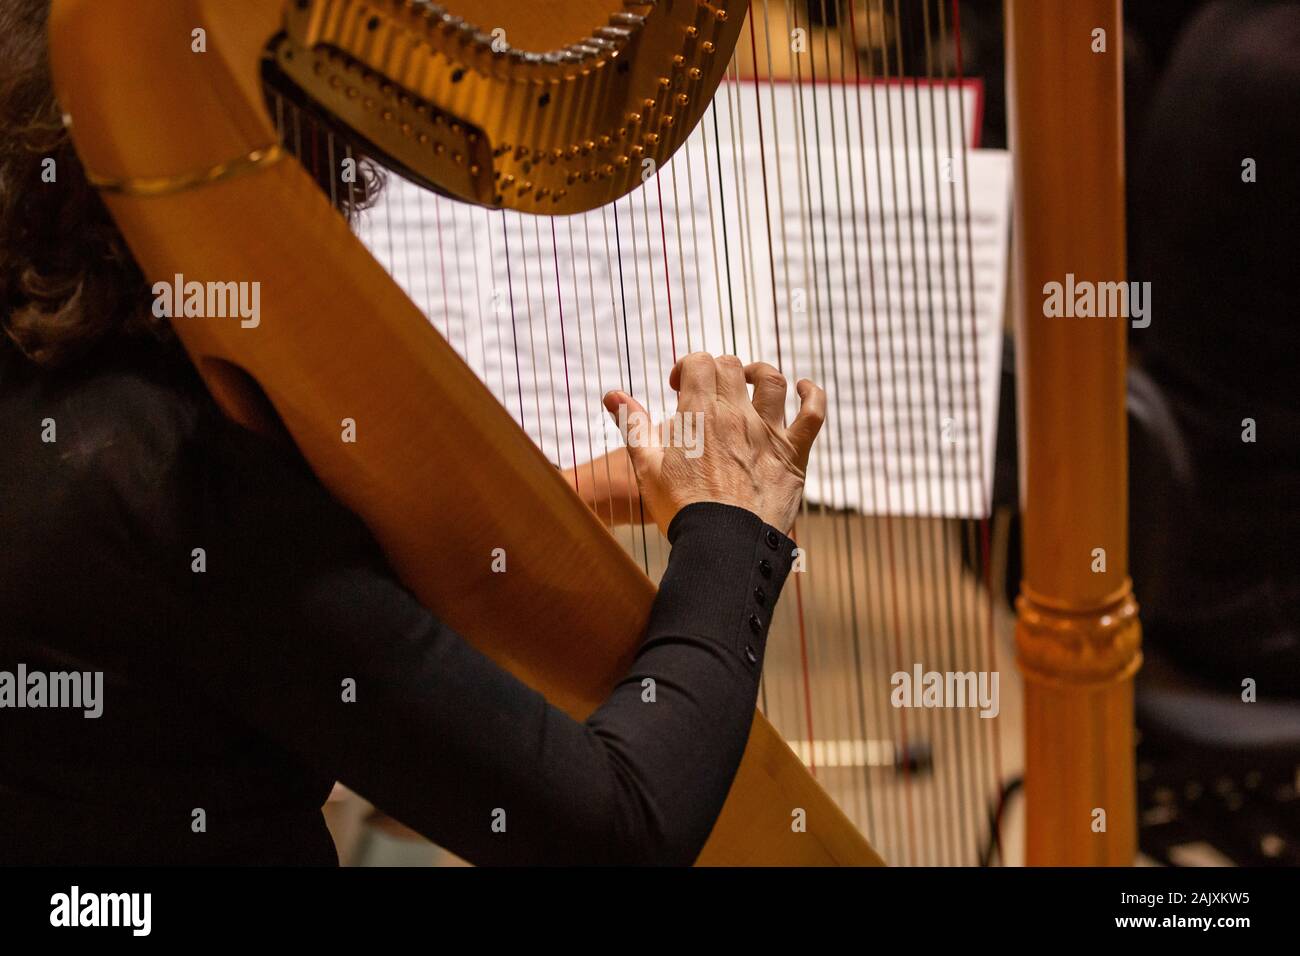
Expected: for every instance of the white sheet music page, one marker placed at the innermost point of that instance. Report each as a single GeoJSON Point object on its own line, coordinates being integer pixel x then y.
{"type": "Point", "coordinates": [838, 231]}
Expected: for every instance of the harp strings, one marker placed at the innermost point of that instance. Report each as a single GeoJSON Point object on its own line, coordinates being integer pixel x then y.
{"type": "Point", "coordinates": [882, 591]}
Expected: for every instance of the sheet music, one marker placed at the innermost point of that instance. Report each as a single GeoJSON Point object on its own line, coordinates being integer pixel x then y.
{"type": "Point", "coordinates": [857, 267]}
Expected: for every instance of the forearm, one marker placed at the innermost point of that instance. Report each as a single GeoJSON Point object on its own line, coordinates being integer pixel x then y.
{"type": "Point", "coordinates": [607, 485]}
{"type": "Point", "coordinates": [679, 721]}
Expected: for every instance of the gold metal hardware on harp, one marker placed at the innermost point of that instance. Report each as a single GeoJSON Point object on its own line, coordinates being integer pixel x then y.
{"type": "Point", "coordinates": [165, 185]}
{"type": "Point", "coordinates": [559, 131]}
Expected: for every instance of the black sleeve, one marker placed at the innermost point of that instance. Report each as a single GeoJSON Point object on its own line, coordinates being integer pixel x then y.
{"type": "Point", "coordinates": [297, 599]}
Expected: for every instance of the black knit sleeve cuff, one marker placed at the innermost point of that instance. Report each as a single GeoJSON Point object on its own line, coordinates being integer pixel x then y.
{"type": "Point", "coordinates": [725, 573]}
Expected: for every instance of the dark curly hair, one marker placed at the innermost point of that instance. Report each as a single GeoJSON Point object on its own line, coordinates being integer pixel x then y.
{"type": "Point", "coordinates": [67, 278]}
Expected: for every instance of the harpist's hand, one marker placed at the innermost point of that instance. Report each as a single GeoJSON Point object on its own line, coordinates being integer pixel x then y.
{"type": "Point", "coordinates": [721, 445]}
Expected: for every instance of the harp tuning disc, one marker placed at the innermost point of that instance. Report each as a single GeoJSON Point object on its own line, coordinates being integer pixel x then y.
{"type": "Point", "coordinates": [707, 46]}
{"type": "Point", "coordinates": [664, 82]}
{"type": "Point", "coordinates": [682, 99]}
{"type": "Point", "coordinates": [695, 73]}
{"type": "Point", "coordinates": [679, 60]}
{"type": "Point", "coordinates": [652, 138]}
{"type": "Point", "coordinates": [634, 118]}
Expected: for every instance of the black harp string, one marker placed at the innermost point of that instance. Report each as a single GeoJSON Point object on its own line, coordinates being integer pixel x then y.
{"type": "Point", "coordinates": [924, 521]}
{"type": "Point", "coordinates": [803, 616]}
{"type": "Point", "coordinates": [681, 257]}
{"type": "Point", "coordinates": [689, 163]}
{"type": "Point", "coordinates": [812, 296]}
{"type": "Point", "coordinates": [767, 217]}
{"type": "Point", "coordinates": [425, 255]}
{"type": "Point", "coordinates": [976, 752]}
{"type": "Point", "coordinates": [661, 374]}
{"type": "Point", "coordinates": [500, 302]}
{"type": "Point", "coordinates": [564, 346]}
{"type": "Point", "coordinates": [926, 583]}
{"type": "Point", "coordinates": [985, 503]}
{"type": "Point", "coordinates": [940, 525]}
{"type": "Point", "coordinates": [471, 215]}
{"type": "Point", "coordinates": [961, 754]}
{"type": "Point", "coordinates": [618, 326]}
{"type": "Point", "coordinates": [873, 574]}
{"type": "Point", "coordinates": [854, 517]}
{"type": "Point", "coordinates": [726, 246]}
{"type": "Point", "coordinates": [895, 803]}
{"type": "Point", "coordinates": [585, 390]}
{"type": "Point", "coordinates": [619, 299]}
{"type": "Point", "coordinates": [545, 299]}
{"type": "Point", "coordinates": [514, 321]}
{"type": "Point", "coordinates": [713, 230]}
{"type": "Point", "coordinates": [740, 186]}
{"type": "Point", "coordinates": [842, 521]}
{"type": "Point", "coordinates": [531, 326]}
{"type": "Point", "coordinates": [834, 666]}
{"type": "Point", "coordinates": [890, 425]}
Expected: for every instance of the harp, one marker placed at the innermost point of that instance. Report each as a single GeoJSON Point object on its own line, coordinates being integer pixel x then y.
{"type": "Point", "coordinates": [556, 115]}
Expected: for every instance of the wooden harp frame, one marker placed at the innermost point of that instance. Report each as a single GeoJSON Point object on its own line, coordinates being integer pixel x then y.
{"type": "Point", "coordinates": [187, 156]}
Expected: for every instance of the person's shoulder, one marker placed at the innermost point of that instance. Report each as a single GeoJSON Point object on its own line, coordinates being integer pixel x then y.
{"type": "Point", "coordinates": [92, 454]}
{"type": "Point", "coordinates": [129, 414]}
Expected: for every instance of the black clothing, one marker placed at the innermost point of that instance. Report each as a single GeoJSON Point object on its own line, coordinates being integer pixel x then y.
{"type": "Point", "coordinates": [1213, 555]}
{"type": "Point", "coordinates": [223, 690]}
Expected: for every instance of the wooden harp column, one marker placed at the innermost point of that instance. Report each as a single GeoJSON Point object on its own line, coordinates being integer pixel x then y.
{"type": "Point", "coordinates": [1078, 636]}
